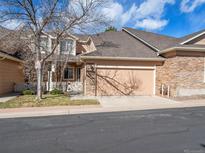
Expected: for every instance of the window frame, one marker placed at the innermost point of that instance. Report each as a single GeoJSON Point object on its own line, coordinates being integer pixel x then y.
{"type": "Point", "coordinates": [43, 48]}
{"type": "Point", "coordinates": [67, 51]}
{"type": "Point", "coordinates": [77, 73]}
{"type": "Point", "coordinates": [73, 69]}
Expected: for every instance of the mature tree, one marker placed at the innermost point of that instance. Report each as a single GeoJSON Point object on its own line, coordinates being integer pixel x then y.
{"type": "Point", "coordinates": [59, 16]}
{"type": "Point", "coordinates": [111, 29]}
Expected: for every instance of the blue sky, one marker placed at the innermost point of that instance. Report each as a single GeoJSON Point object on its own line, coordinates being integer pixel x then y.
{"type": "Point", "coordinates": [170, 17]}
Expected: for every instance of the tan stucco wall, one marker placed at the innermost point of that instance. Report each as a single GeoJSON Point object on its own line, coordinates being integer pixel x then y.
{"type": "Point", "coordinates": [120, 81]}
{"type": "Point", "coordinates": [124, 82]}
{"type": "Point", "coordinates": [124, 62]}
{"type": "Point", "coordinates": [201, 42]}
{"type": "Point", "coordinates": [181, 72]}
{"type": "Point", "coordinates": [10, 72]}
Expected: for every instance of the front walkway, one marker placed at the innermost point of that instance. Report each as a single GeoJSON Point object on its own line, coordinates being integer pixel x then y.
{"type": "Point", "coordinates": [108, 104]}
{"type": "Point", "coordinates": [7, 97]}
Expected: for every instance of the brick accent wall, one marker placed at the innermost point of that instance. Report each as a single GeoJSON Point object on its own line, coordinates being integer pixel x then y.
{"type": "Point", "coordinates": [10, 72]}
{"type": "Point", "coordinates": [181, 72]}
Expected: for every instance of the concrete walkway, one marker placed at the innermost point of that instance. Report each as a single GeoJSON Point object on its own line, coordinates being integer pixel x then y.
{"type": "Point", "coordinates": [108, 104]}
{"type": "Point", "coordinates": [7, 97]}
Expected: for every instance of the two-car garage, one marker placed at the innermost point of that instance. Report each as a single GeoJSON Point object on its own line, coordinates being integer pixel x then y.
{"type": "Point", "coordinates": [123, 79]}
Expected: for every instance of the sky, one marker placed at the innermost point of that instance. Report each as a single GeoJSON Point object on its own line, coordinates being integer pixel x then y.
{"type": "Point", "coordinates": [169, 17]}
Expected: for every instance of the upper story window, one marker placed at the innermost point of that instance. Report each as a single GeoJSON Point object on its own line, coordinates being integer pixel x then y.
{"type": "Point", "coordinates": [67, 47]}
{"type": "Point", "coordinates": [44, 44]}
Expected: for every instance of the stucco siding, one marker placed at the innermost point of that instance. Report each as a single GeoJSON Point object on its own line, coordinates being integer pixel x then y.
{"type": "Point", "coordinates": [124, 82]}
{"type": "Point", "coordinates": [181, 73]}
{"type": "Point", "coordinates": [11, 72]}
{"type": "Point", "coordinates": [119, 77]}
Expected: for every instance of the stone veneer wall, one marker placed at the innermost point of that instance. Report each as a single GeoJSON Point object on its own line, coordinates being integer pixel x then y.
{"type": "Point", "coordinates": [181, 72]}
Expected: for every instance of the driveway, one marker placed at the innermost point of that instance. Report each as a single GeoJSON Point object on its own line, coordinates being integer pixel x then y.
{"type": "Point", "coordinates": [134, 101]}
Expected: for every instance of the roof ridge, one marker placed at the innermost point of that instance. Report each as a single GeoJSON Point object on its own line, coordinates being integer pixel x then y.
{"type": "Point", "coordinates": [192, 34]}
{"type": "Point", "coordinates": [142, 40]}
{"type": "Point", "coordinates": [163, 35]}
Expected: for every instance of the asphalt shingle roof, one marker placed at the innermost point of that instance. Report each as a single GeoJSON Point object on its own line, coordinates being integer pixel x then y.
{"type": "Point", "coordinates": [120, 44]}
{"type": "Point", "coordinates": [161, 42]}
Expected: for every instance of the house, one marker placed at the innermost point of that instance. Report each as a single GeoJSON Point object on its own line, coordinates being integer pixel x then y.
{"type": "Point", "coordinates": [11, 72]}
{"type": "Point", "coordinates": [134, 62]}
{"type": "Point", "coordinates": [127, 62]}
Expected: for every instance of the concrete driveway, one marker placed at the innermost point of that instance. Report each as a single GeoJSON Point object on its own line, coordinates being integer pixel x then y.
{"type": "Point", "coordinates": [133, 101]}
{"type": "Point", "coordinates": [126, 103]}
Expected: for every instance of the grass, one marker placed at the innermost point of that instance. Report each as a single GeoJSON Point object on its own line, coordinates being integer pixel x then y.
{"type": "Point", "coordinates": [48, 100]}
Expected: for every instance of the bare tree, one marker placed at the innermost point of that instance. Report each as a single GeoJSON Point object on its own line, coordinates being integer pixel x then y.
{"type": "Point", "coordinates": [59, 16]}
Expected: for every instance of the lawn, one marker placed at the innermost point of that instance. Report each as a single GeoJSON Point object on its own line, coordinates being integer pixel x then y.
{"type": "Point", "coordinates": [48, 100]}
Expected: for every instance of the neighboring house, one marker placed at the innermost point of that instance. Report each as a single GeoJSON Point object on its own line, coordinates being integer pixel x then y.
{"type": "Point", "coordinates": [11, 72]}
{"type": "Point", "coordinates": [134, 62]}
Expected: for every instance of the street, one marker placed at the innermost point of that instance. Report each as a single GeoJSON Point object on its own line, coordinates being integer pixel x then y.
{"type": "Point", "coordinates": [168, 130]}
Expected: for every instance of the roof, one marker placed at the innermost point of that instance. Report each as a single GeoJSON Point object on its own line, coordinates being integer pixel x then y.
{"type": "Point", "coordinates": [82, 37]}
{"type": "Point", "coordinates": [120, 44]}
{"type": "Point", "coordinates": [190, 36]}
{"type": "Point", "coordinates": [159, 41]}
{"type": "Point", "coordinates": [5, 55]}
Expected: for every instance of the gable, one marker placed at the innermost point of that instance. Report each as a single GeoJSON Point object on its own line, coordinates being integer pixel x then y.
{"type": "Point", "coordinates": [201, 41]}
{"type": "Point", "coordinates": [193, 38]}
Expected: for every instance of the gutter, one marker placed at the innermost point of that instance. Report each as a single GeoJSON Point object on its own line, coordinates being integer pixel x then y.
{"type": "Point", "coordinates": [6, 56]}
{"type": "Point", "coordinates": [121, 58]}
{"type": "Point", "coordinates": [141, 40]}
{"type": "Point", "coordinates": [183, 49]}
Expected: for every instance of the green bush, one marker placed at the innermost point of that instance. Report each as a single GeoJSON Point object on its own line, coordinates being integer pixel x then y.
{"type": "Point", "coordinates": [28, 92]}
{"type": "Point", "coordinates": [56, 92]}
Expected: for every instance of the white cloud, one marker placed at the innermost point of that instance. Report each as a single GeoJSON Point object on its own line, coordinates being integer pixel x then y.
{"type": "Point", "coordinates": [11, 24]}
{"type": "Point", "coordinates": [151, 24]}
{"type": "Point", "coordinates": [114, 11]}
{"type": "Point", "coordinates": [148, 11]}
{"type": "Point", "coordinates": [153, 8]}
{"type": "Point", "coordinates": [125, 17]}
{"type": "Point", "coordinates": [190, 5]}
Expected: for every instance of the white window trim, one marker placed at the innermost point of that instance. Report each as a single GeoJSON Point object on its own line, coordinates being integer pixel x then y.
{"type": "Point", "coordinates": [49, 43]}
{"type": "Point", "coordinates": [73, 74]}
{"type": "Point", "coordinates": [73, 47]}
{"type": "Point", "coordinates": [77, 73]}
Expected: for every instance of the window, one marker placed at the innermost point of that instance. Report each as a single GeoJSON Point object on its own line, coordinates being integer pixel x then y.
{"type": "Point", "coordinates": [44, 44]}
{"type": "Point", "coordinates": [78, 73]}
{"type": "Point", "coordinates": [66, 46]}
{"type": "Point", "coordinates": [69, 73]}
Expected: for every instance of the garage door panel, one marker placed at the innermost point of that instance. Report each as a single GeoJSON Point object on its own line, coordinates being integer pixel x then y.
{"type": "Point", "coordinates": [124, 82]}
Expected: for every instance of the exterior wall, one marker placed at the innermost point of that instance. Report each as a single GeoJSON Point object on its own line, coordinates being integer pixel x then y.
{"type": "Point", "coordinates": [201, 42]}
{"type": "Point", "coordinates": [11, 73]}
{"type": "Point", "coordinates": [181, 73]}
{"type": "Point", "coordinates": [119, 81]}
{"type": "Point", "coordinates": [58, 71]}
{"type": "Point", "coordinates": [116, 82]}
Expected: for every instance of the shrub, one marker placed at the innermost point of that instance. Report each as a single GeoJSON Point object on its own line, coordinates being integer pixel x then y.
{"type": "Point", "coordinates": [56, 92]}
{"type": "Point", "coordinates": [28, 92]}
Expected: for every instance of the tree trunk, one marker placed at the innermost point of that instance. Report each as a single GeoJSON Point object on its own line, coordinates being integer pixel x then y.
{"type": "Point", "coordinates": [39, 69]}
{"type": "Point", "coordinates": [39, 81]}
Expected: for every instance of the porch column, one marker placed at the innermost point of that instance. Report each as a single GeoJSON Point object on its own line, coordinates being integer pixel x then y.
{"type": "Point", "coordinates": [85, 75]}
{"type": "Point", "coordinates": [95, 80]}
